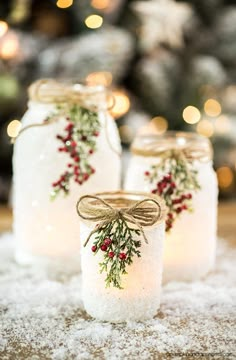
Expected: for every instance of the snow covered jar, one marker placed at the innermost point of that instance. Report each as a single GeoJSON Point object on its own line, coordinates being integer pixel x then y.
{"type": "Point", "coordinates": [178, 167]}
{"type": "Point", "coordinates": [68, 145]}
{"type": "Point", "coordinates": [121, 259]}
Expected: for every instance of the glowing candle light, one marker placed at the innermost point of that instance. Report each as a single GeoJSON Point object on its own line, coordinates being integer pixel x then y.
{"type": "Point", "coordinates": [191, 115]}
{"type": "Point", "coordinates": [122, 103]}
{"type": "Point", "coordinates": [212, 107]}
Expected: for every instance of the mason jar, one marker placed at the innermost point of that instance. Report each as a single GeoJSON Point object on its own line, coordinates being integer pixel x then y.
{"type": "Point", "coordinates": [110, 231]}
{"type": "Point", "coordinates": [191, 224]}
{"type": "Point", "coordinates": [47, 229]}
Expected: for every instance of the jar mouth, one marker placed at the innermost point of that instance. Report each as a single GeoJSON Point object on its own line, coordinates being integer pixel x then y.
{"type": "Point", "coordinates": [196, 146]}
{"type": "Point", "coordinates": [123, 201]}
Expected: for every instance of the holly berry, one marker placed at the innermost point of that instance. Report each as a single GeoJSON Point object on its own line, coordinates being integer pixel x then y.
{"type": "Point", "coordinates": [122, 256]}
{"type": "Point", "coordinates": [103, 247]}
{"type": "Point", "coordinates": [94, 248]}
{"type": "Point", "coordinates": [107, 241]}
{"type": "Point", "coordinates": [111, 254]}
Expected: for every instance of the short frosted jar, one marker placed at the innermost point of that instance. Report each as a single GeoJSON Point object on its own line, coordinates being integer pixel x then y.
{"type": "Point", "coordinates": [190, 247]}
{"type": "Point", "coordinates": [139, 298]}
{"type": "Point", "coordinates": [48, 230]}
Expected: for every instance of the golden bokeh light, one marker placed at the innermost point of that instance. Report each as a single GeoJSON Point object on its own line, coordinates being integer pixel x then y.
{"type": "Point", "coordinates": [212, 107]}
{"type": "Point", "coordinates": [158, 124]}
{"type": "Point", "coordinates": [63, 4]}
{"type": "Point", "coordinates": [205, 128]}
{"type": "Point", "coordinates": [126, 134]}
{"type": "Point", "coordinates": [3, 28]}
{"type": "Point", "coordinates": [100, 4]}
{"type": "Point", "coordinates": [13, 128]}
{"type": "Point", "coordinates": [222, 125]}
{"type": "Point", "coordinates": [99, 78]}
{"type": "Point", "coordinates": [191, 115]}
{"type": "Point", "coordinates": [9, 47]}
{"type": "Point", "coordinates": [121, 104]}
{"type": "Point", "coordinates": [94, 21]}
{"type": "Point", "coordinates": [225, 177]}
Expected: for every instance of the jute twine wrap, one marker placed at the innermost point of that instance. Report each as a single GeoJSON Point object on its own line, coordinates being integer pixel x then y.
{"type": "Point", "coordinates": [104, 208]}
{"type": "Point", "coordinates": [192, 150]}
{"type": "Point", "coordinates": [93, 98]}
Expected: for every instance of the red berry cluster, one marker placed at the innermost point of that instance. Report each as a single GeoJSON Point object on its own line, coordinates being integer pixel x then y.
{"type": "Point", "coordinates": [77, 146]}
{"type": "Point", "coordinates": [105, 246]}
{"type": "Point", "coordinates": [176, 201]}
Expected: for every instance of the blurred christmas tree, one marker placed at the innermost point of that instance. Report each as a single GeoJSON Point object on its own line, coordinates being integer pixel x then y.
{"type": "Point", "coordinates": [171, 65]}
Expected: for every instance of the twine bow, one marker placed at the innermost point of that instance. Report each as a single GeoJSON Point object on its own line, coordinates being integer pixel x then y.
{"type": "Point", "coordinates": [105, 213]}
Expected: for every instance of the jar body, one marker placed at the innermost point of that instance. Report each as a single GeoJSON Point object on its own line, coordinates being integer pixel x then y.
{"type": "Point", "coordinates": [46, 229]}
{"type": "Point", "coordinates": [189, 250]}
{"type": "Point", "coordinates": [140, 297]}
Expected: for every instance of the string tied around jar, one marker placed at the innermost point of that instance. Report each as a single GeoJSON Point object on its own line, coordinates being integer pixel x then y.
{"type": "Point", "coordinates": [92, 98]}
{"type": "Point", "coordinates": [104, 213]}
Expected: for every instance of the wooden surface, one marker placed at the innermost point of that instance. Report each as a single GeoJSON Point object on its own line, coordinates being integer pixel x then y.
{"type": "Point", "coordinates": [226, 220]}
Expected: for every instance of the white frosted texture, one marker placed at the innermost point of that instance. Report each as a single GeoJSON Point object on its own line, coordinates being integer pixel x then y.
{"type": "Point", "coordinates": [46, 229]}
{"type": "Point", "coordinates": [140, 297]}
{"type": "Point", "coordinates": [189, 250]}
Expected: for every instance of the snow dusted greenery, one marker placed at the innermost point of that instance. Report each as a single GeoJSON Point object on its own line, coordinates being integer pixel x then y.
{"type": "Point", "coordinates": [42, 317]}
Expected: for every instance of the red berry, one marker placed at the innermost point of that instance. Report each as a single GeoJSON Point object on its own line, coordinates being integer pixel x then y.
{"type": "Point", "coordinates": [77, 158]}
{"type": "Point", "coordinates": [54, 184]}
{"type": "Point", "coordinates": [170, 215]}
{"type": "Point", "coordinates": [69, 126]}
{"type": "Point", "coordinates": [147, 173]}
{"type": "Point", "coordinates": [96, 133]}
{"type": "Point", "coordinates": [173, 185]}
{"type": "Point", "coordinates": [111, 254]}
{"type": "Point", "coordinates": [103, 247]}
{"type": "Point", "coordinates": [61, 149]}
{"type": "Point", "coordinates": [73, 144]}
{"type": "Point", "coordinates": [83, 138]}
{"type": "Point", "coordinates": [91, 151]}
{"type": "Point", "coordinates": [92, 170]}
{"type": "Point", "coordinates": [122, 256]}
{"type": "Point", "coordinates": [85, 177]}
{"type": "Point", "coordinates": [167, 177]}
{"type": "Point", "coordinates": [94, 248]}
{"type": "Point", "coordinates": [184, 207]}
{"type": "Point", "coordinates": [188, 196]}
{"type": "Point", "coordinates": [107, 241]}
{"type": "Point", "coordinates": [178, 210]}
{"type": "Point", "coordinates": [154, 191]}
{"type": "Point", "coordinates": [69, 165]}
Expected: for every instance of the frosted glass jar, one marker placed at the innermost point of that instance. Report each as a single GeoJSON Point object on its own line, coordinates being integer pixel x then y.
{"type": "Point", "coordinates": [46, 230]}
{"type": "Point", "coordinates": [190, 247]}
{"type": "Point", "coordinates": [139, 298]}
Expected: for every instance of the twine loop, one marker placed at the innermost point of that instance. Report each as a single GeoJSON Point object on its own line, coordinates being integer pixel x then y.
{"type": "Point", "coordinates": [143, 213]}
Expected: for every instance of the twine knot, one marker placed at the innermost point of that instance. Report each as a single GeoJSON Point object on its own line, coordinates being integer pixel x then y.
{"type": "Point", "coordinates": [143, 213]}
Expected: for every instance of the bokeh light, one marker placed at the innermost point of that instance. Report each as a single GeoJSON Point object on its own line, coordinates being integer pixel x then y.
{"type": "Point", "coordinates": [191, 115]}
{"type": "Point", "coordinates": [93, 21]}
{"type": "Point", "coordinates": [121, 105]}
{"type": "Point", "coordinates": [225, 177]}
{"type": "Point", "coordinates": [3, 28]}
{"type": "Point", "coordinates": [13, 128]}
{"type": "Point", "coordinates": [223, 124]}
{"type": "Point", "coordinates": [9, 46]}
{"type": "Point", "coordinates": [212, 107]}
{"type": "Point", "coordinates": [63, 4]}
{"type": "Point", "coordinates": [100, 4]}
{"type": "Point", "coordinates": [205, 128]}
{"type": "Point", "coordinates": [99, 78]}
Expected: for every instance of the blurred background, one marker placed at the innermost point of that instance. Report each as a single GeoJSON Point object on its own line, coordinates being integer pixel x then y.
{"type": "Point", "coordinates": [170, 64]}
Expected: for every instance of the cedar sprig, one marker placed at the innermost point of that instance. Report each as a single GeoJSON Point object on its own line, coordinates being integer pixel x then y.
{"type": "Point", "coordinates": [117, 241]}
{"type": "Point", "coordinates": [79, 142]}
{"type": "Point", "coordinates": [175, 180]}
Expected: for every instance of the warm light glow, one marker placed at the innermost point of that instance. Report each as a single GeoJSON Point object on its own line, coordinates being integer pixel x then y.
{"type": "Point", "coordinates": [126, 134]}
{"type": "Point", "coordinates": [122, 104]}
{"type": "Point", "coordinates": [3, 28]}
{"type": "Point", "coordinates": [222, 124]}
{"type": "Point", "coordinates": [94, 21]}
{"type": "Point", "coordinates": [205, 128]}
{"type": "Point", "coordinates": [13, 128]}
{"type": "Point", "coordinates": [225, 177]}
{"type": "Point", "coordinates": [159, 124]}
{"type": "Point", "coordinates": [99, 78]}
{"type": "Point", "coordinates": [9, 47]}
{"type": "Point", "coordinates": [191, 115]}
{"type": "Point", "coordinates": [63, 4]}
{"type": "Point", "coordinates": [212, 107]}
{"type": "Point", "coordinates": [100, 4]}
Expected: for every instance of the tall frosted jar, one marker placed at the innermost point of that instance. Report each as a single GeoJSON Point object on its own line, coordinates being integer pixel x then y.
{"type": "Point", "coordinates": [111, 295]}
{"type": "Point", "coordinates": [47, 230]}
{"type": "Point", "coordinates": [190, 244]}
